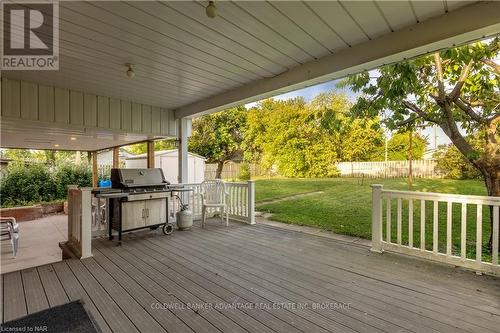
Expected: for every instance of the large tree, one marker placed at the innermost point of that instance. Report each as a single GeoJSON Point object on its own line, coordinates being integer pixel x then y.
{"type": "Point", "coordinates": [218, 136]}
{"type": "Point", "coordinates": [455, 89]}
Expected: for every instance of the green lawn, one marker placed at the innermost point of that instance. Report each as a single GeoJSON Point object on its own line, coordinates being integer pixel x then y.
{"type": "Point", "coordinates": [345, 207]}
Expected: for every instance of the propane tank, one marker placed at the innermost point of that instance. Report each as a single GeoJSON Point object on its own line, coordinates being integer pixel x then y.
{"type": "Point", "coordinates": [184, 219]}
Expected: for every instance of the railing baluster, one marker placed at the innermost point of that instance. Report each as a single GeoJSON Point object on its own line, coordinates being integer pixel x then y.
{"type": "Point", "coordinates": [448, 228]}
{"type": "Point", "coordinates": [479, 233]}
{"type": "Point", "coordinates": [463, 233]}
{"type": "Point", "coordinates": [410, 222]}
{"type": "Point", "coordinates": [240, 199]}
{"type": "Point", "coordinates": [388, 225]}
{"type": "Point", "coordinates": [437, 253]}
{"type": "Point", "coordinates": [435, 222]}
{"type": "Point", "coordinates": [400, 204]}
{"type": "Point", "coordinates": [494, 254]}
{"type": "Point", "coordinates": [422, 224]}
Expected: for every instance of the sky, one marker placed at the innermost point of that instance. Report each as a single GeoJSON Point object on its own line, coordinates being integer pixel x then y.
{"type": "Point", "coordinates": [435, 136]}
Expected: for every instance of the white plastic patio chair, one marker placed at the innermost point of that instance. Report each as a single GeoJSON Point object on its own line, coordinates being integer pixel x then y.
{"type": "Point", "coordinates": [10, 228]}
{"type": "Point", "coordinates": [214, 195]}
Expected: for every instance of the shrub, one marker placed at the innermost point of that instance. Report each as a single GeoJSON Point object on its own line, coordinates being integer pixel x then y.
{"type": "Point", "coordinates": [28, 184]}
{"type": "Point", "coordinates": [68, 174]}
{"type": "Point", "coordinates": [244, 172]}
{"type": "Point", "coordinates": [452, 164]}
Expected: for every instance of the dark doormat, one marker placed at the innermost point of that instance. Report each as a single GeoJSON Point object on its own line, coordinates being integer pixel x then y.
{"type": "Point", "coordinates": [70, 317]}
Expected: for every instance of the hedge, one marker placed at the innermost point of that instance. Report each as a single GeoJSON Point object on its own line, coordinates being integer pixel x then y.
{"type": "Point", "coordinates": [35, 183]}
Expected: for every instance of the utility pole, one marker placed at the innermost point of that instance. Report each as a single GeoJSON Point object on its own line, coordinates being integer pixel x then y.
{"type": "Point", "coordinates": [435, 137]}
{"type": "Point", "coordinates": [386, 154]}
{"type": "Point", "coordinates": [386, 146]}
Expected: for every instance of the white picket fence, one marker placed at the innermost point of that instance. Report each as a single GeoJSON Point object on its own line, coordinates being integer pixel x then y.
{"type": "Point", "coordinates": [241, 201]}
{"type": "Point", "coordinates": [231, 170]}
{"type": "Point", "coordinates": [382, 209]}
{"type": "Point", "coordinates": [389, 169]}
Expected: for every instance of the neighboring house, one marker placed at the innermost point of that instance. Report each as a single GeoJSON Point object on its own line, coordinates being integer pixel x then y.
{"type": "Point", "coordinates": [105, 157]}
{"type": "Point", "coordinates": [429, 154]}
{"type": "Point", "coordinates": [4, 164]}
{"type": "Point", "coordinates": [168, 161]}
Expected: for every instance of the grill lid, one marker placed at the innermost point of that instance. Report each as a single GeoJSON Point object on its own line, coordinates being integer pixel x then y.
{"type": "Point", "coordinates": [126, 178]}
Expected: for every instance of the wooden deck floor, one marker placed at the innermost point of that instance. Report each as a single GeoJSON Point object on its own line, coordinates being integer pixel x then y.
{"type": "Point", "coordinates": [275, 281]}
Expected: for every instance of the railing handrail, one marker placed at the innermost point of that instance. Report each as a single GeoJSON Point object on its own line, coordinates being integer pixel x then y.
{"type": "Point", "coordinates": [381, 243]}
{"type": "Point", "coordinates": [458, 198]}
{"type": "Point", "coordinates": [241, 207]}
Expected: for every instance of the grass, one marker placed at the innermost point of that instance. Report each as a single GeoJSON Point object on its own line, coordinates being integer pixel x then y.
{"type": "Point", "coordinates": [344, 207]}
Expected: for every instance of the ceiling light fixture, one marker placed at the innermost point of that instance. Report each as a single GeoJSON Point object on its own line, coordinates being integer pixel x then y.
{"type": "Point", "coordinates": [56, 145]}
{"type": "Point", "coordinates": [130, 70]}
{"type": "Point", "coordinates": [211, 9]}
{"type": "Point", "coordinates": [73, 138]}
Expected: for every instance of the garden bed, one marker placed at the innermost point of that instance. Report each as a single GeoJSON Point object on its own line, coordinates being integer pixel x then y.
{"type": "Point", "coordinates": [29, 213]}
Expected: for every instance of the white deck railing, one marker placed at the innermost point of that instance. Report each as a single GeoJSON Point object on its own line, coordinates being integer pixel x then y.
{"type": "Point", "coordinates": [241, 205]}
{"type": "Point", "coordinates": [79, 221]}
{"type": "Point", "coordinates": [241, 201]}
{"type": "Point", "coordinates": [86, 214]}
{"type": "Point", "coordinates": [387, 206]}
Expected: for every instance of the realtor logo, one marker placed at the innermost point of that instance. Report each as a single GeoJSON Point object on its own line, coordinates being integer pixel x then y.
{"type": "Point", "coordinates": [30, 33]}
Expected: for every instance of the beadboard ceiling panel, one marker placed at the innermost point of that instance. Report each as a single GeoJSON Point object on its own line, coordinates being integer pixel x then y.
{"type": "Point", "coordinates": [181, 56]}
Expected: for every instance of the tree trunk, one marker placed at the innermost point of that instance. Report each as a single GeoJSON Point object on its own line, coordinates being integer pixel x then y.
{"type": "Point", "coordinates": [488, 164]}
{"type": "Point", "coordinates": [218, 172]}
{"type": "Point", "coordinates": [492, 182]}
{"type": "Point", "coordinates": [410, 160]}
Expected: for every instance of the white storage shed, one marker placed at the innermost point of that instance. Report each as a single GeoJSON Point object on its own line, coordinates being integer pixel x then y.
{"type": "Point", "coordinates": [168, 161]}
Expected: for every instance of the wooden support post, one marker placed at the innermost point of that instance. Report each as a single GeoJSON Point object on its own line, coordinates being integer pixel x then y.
{"type": "Point", "coordinates": [86, 226]}
{"type": "Point", "coordinates": [151, 154]}
{"type": "Point", "coordinates": [116, 157]}
{"type": "Point", "coordinates": [182, 133]}
{"type": "Point", "coordinates": [251, 201]}
{"type": "Point", "coordinates": [95, 178]}
{"type": "Point", "coordinates": [377, 218]}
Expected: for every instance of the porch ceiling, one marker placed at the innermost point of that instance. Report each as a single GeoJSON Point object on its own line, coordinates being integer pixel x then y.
{"type": "Point", "coordinates": [189, 62]}
{"type": "Point", "coordinates": [29, 135]}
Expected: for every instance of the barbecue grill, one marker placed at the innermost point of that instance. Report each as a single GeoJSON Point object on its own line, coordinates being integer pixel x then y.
{"type": "Point", "coordinates": [138, 199]}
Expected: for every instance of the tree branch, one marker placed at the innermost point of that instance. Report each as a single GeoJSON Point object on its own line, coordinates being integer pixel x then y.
{"type": "Point", "coordinates": [469, 111]}
{"type": "Point", "coordinates": [439, 71]}
{"type": "Point", "coordinates": [419, 112]}
{"type": "Point", "coordinates": [472, 103]}
{"type": "Point", "coordinates": [458, 86]}
{"type": "Point", "coordinates": [408, 121]}
{"type": "Point", "coordinates": [492, 64]}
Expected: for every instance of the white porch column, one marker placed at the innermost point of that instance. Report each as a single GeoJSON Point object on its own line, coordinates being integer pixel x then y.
{"type": "Point", "coordinates": [376, 218]}
{"type": "Point", "coordinates": [183, 133]}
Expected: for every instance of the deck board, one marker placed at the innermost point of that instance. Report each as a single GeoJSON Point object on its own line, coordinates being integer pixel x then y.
{"type": "Point", "coordinates": [52, 286]}
{"type": "Point", "coordinates": [193, 319]}
{"type": "Point", "coordinates": [402, 296]}
{"type": "Point", "coordinates": [357, 320]}
{"type": "Point", "coordinates": [75, 291]}
{"type": "Point", "coordinates": [205, 295]}
{"type": "Point", "coordinates": [304, 319]}
{"type": "Point", "coordinates": [165, 318]}
{"type": "Point", "coordinates": [14, 303]}
{"type": "Point", "coordinates": [116, 319]}
{"type": "Point", "coordinates": [34, 292]}
{"type": "Point", "coordinates": [393, 290]}
{"type": "Point", "coordinates": [258, 265]}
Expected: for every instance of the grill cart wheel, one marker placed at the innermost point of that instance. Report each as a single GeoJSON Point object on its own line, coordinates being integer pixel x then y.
{"type": "Point", "coordinates": [168, 228]}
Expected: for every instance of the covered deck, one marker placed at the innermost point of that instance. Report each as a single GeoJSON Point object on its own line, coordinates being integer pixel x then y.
{"type": "Point", "coordinates": [258, 279]}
